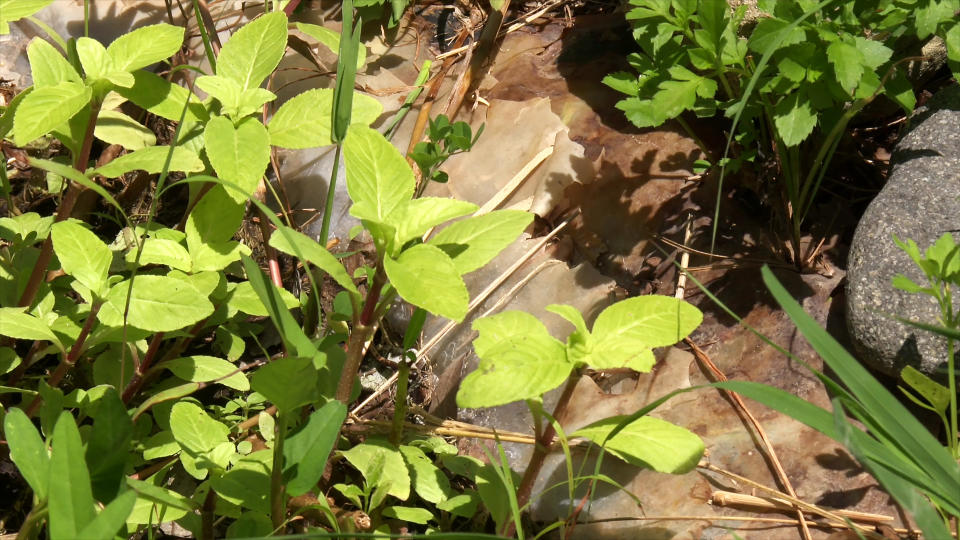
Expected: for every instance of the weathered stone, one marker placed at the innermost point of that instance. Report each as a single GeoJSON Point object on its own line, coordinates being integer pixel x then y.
{"type": "Point", "coordinates": [920, 202]}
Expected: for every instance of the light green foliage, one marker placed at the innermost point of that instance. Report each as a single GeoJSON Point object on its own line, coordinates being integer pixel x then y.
{"type": "Point", "coordinates": [331, 40]}
{"type": "Point", "coordinates": [304, 120]}
{"type": "Point", "coordinates": [298, 244]}
{"type": "Point", "coordinates": [239, 154]}
{"type": "Point", "coordinates": [47, 66]}
{"type": "Point", "coordinates": [647, 442]}
{"type": "Point", "coordinates": [273, 381]}
{"type": "Point", "coordinates": [378, 177]}
{"type": "Point", "coordinates": [475, 241]}
{"type": "Point", "coordinates": [426, 277]}
{"type": "Point", "coordinates": [114, 127]}
{"type": "Point", "coordinates": [305, 451]}
{"type": "Point", "coordinates": [392, 470]}
{"type": "Point", "coordinates": [27, 451]}
{"type": "Point", "coordinates": [158, 304]}
{"type": "Point", "coordinates": [207, 369]}
{"type": "Point", "coordinates": [14, 10]}
{"type": "Point", "coordinates": [70, 497]}
{"type": "Point", "coordinates": [82, 255]}
{"type": "Point", "coordinates": [940, 264]}
{"type": "Point", "coordinates": [254, 51]}
{"type": "Point", "coordinates": [45, 109]}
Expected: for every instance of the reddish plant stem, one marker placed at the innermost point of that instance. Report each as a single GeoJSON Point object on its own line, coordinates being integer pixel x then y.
{"type": "Point", "coordinates": [362, 328]}
{"type": "Point", "coordinates": [206, 515]}
{"type": "Point", "coordinates": [545, 443]}
{"type": "Point", "coordinates": [138, 377]}
{"type": "Point", "coordinates": [63, 212]}
{"type": "Point", "coordinates": [70, 360]}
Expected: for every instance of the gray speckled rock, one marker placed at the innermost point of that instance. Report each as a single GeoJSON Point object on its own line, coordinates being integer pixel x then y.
{"type": "Point", "coordinates": [920, 201]}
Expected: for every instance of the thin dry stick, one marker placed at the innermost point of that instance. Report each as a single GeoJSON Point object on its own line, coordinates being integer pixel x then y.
{"type": "Point", "coordinates": [527, 19]}
{"type": "Point", "coordinates": [515, 182]}
{"type": "Point", "coordinates": [684, 263]}
{"type": "Point", "coordinates": [480, 298]}
{"type": "Point", "coordinates": [768, 447]}
{"type": "Point", "coordinates": [745, 519]}
{"type": "Point", "coordinates": [800, 504]}
{"type": "Point", "coordinates": [729, 498]}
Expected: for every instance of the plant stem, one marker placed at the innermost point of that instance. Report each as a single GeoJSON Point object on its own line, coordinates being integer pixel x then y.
{"type": "Point", "coordinates": [362, 328]}
{"type": "Point", "coordinates": [328, 205]}
{"type": "Point", "coordinates": [138, 377]}
{"type": "Point", "coordinates": [29, 528]}
{"type": "Point", "coordinates": [63, 211]}
{"type": "Point", "coordinates": [278, 495]}
{"type": "Point", "coordinates": [545, 442]}
{"type": "Point", "coordinates": [400, 402]}
{"type": "Point", "coordinates": [206, 515]}
{"type": "Point", "coordinates": [70, 359]}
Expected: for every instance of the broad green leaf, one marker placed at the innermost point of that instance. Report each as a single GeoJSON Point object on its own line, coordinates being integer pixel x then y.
{"type": "Point", "coordinates": [331, 40]}
{"type": "Point", "coordinates": [937, 395]}
{"type": "Point", "coordinates": [463, 505]}
{"type": "Point", "coordinates": [580, 341]}
{"type": "Point", "coordinates": [27, 451]}
{"type": "Point", "coordinates": [160, 445]}
{"type": "Point", "coordinates": [251, 525]}
{"type": "Point", "coordinates": [300, 245]}
{"type": "Point", "coordinates": [795, 118]}
{"type": "Point", "coordinates": [514, 369]}
{"type": "Point", "coordinates": [571, 315]}
{"type": "Point", "coordinates": [82, 255]}
{"type": "Point", "coordinates": [251, 101]}
{"type": "Point", "coordinates": [14, 10]}
{"type": "Point", "coordinates": [475, 241]}
{"type": "Point", "coordinates": [674, 97]}
{"type": "Point", "coordinates": [417, 216]}
{"type": "Point", "coordinates": [194, 430]}
{"type": "Point", "coordinates": [162, 251]}
{"type": "Point", "coordinates": [239, 154]}
{"type": "Point", "coordinates": [346, 73]}
{"type": "Point", "coordinates": [648, 442]}
{"type": "Point", "coordinates": [426, 277]}
{"type": "Point", "coordinates": [900, 90]}
{"type": "Point", "coordinates": [108, 447]}
{"type": "Point", "coordinates": [243, 298]}
{"type": "Point", "coordinates": [113, 516]}
{"type": "Point", "coordinates": [394, 473]}
{"type": "Point", "coordinates": [287, 382]}
{"type": "Point", "coordinates": [145, 46]}
{"type": "Point", "coordinates": [211, 224]}
{"type": "Point", "coordinates": [70, 497]}
{"type": "Point", "coordinates": [254, 51]}
{"type": "Point", "coordinates": [46, 109]}
{"type": "Point", "coordinates": [623, 82]}
{"type": "Point", "coordinates": [48, 67]}
{"type": "Point", "coordinates": [158, 304]}
{"type": "Point", "coordinates": [114, 127]}
{"type": "Point", "coordinates": [156, 505]}
{"type": "Point", "coordinates": [633, 326]}
{"type": "Point", "coordinates": [208, 369]}
{"type": "Point", "coordinates": [378, 177]}
{"type": "Point", "coordinates": [29, 227]}
{"type": "Point", "coordinates": [287, 326]}
{"type": "Point", "coordinates": [152, 160]}
{"type": "Point", "coordinates": [875, 53]}
{"type": "Point", "coordinates": [641, 112]}
{"type": "Point", "coordinates": [847, 63]}
{"type": "Point", "coordinates": [19, 325]}
{"type": "Point", "coordinates": [409, 514]}
{"type": "Point", "coordinates": [248, 483]}
{"type": "Point", "coordinates": [904, 283]}
{"type": "Point", "coordinates": [93, 58]}
{"type": "Point", "coordinates": [223, 89]}
{"type": "Point", "coordinates": [771, 34]}
{"type": "Point", "coordinates": [162, 98]}
{"type": "Point", "coordinates": [429, 482]}
{"type": "Point", "coordinates": [6, 119]}
{"type": "Point", "coordinates": [305, 452]}
{"type": "Point", "coordinates": [497, 328]}
{"type": "Point", "coordinates": [304, 120]}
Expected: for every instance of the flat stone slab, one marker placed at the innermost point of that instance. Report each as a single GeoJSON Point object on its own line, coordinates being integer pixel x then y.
{"type": "Point", "coordinates": [920, 201]}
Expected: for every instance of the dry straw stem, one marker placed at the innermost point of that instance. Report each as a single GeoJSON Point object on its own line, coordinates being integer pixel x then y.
{"type": "Point", "coordinates": [797, 503]}
{"type": "Point", "coordinates": [744, 519]}
{"type": "Point", "coordinates": [761, 433]}
{"type": "Point", "coordinates": [729, 498]}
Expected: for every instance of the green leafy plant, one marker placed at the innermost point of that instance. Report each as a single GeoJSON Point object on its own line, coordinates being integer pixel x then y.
{"type": "Point", "coordinates": [820, 64]}
{"type": "Point", "coordinates": [919, 473]}
{"type": "Point", "coordinates": [445, 140]}
{"type": "Point", "coordinates": [520, 360]}
{"type": "Point", "coordinates": [940, 264]}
